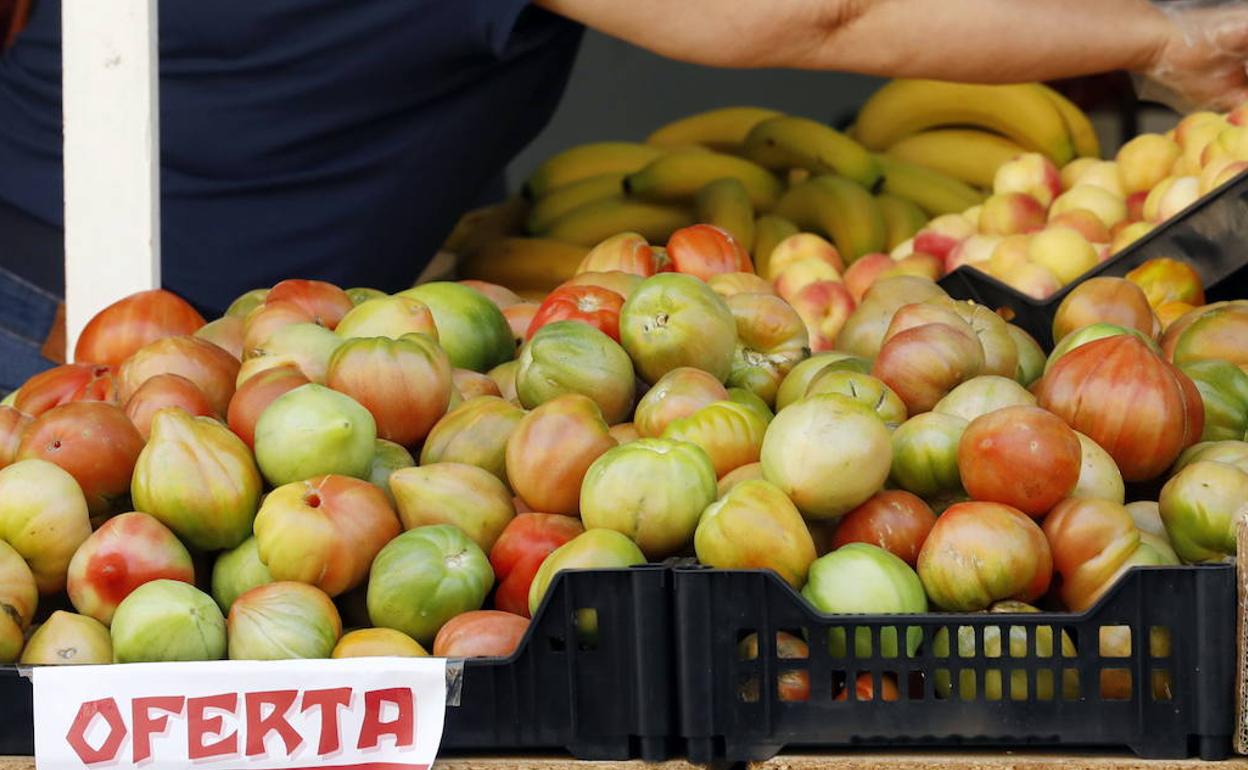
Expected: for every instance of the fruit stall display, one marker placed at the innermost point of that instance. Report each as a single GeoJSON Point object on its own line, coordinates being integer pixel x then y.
{"type": "Point", "coordinates": [457, 470]}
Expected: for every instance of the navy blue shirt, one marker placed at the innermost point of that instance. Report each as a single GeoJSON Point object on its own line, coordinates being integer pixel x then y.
{"type": "Point", "coordinates": [324, 139]}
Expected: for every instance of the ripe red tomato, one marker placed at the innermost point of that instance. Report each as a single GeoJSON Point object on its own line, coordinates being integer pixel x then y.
{"type": "Point", "coordinates": [63, 384]}
{"type": "Point", "coordinates": [707, 250]}
{"type": "Point", "coordinates": [791, 684]}
{"type": "Point", "coordinates": [593, 305]}
{"type": "Point", "coordinates": [520, 550]}
{"type": "Point", "coordinates": [895, 520]}
{"type": "Point", "coordinates": [864, 689]}
{"type": "Point", "coordinates": [165, 390]}
{"type": "Point", "coordinates": [1022, 456]}
{"type": "Point", "coordinates": [480, 634]}
{"type": "Point", "coordinates": [325, 302]}
{"type": "Point", "coordinates": [1091, 540]}
{"type": "Point", "coordinates": [130, 323]}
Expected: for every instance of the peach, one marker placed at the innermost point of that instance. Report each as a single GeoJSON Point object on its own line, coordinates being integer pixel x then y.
{"type": "Point", "coordinates": [1135, 206]}
{"type": "Point", "coordinates": [1084, 222]}
{"type": "Point", "coordinates": [799, 247]}
{"type": "Point", "coordinates": [1107, 207]}
{"type": "Point", "coordinates": [1073, 170]}
{"type": "Point", "coordinates": [1146, 160]}
{"type": "Point", "coordinates": [1009, 254]}
{"type": "Point", "coordinates": [1011, 213]}
{"type": "Point", "coordinates": [1103, 174]}
{"type": "Point", "coordinates": [824, 306]}
{"type": "Point", "coordinates": [1170, 196]}
{"type": "Point", "coordinates": [1065, 253]}
{"type": "Point", "coordinates": [972, 215]}
{"type": "Point", "coordinates": [903, 249]}
{"type": "Point", "coordinates": [1238, 116]}
{"type": "Point", "coordinates": [939, 236]}
{"type": "Point", "coordinates": [1127, 234]}
{"type": "Point", "coordinates": [1193, 135]}
{"type": "Point", "coordinates": [975, 250]}
{"type": "Point", "coordinates": [864, 271]}
{"type": "Point", "coordinates": [1030, 173]}
{"type": "Point", "coordinates": [1219, 172]}
{"type": "Point", "coordinates": [918, 263]}
{"type": "Point", "coordinates": [1231, 142]}
{"type": "Point", "coordinates": [1103, 252]}
{"type": "Point", "coordinates": [797, 275]}
{"type": "Point", "coordinates": [1034, 280]}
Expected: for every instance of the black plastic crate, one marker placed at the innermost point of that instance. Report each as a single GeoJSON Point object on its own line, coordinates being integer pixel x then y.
{"type": "Point", "coordinates": [607, 695]}
{"type": "Point", "coordinates": [1211, 234]}
{"type": "Point", "coordinates": [1181, 622]}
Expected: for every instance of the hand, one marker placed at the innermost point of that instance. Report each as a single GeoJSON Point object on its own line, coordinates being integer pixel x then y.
{"type": "Point", "coordinates": [1204, 62]}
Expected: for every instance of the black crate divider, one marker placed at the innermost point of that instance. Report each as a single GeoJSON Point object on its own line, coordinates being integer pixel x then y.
{"type": "Point", "coordinates": [608, 696]}
{"type": "Point", "coordinates": [1211, 234]}
{"type": "Point", "coordinates": [730, 709]}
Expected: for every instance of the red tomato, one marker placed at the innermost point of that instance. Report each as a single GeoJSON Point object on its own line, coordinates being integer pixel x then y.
{"type": "Point", "coordinates": [593, 305]}
{"type": "Point", "coordinates": [1021, 456]}
{"type": "Point", "coordinates": [480, 634]}
{"type": "Point", "coordinates": [162, 391]}
{"type": "Point", "coordinates": [706, 250]}
{"type": "Point", "coordinates": [1091, 541]}
{"type": "Point", "coordinates": [325, 302]}
{"type": "Point", "coordinates": [864, 688]}
{"type": "Point", "coordinates": [63, 384]}
{"type": "Point", "coordinates": [130, 323]}
{"type": "Point", "coordinates": [213, 370]}
{"type": "Point", "coordinates": [791, 684]}
{"type": "Point", "coordinates": [520, 550]}
{"type": "Point", "coordinates": [895, 520]}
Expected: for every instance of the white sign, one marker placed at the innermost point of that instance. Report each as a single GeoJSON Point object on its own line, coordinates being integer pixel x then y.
{"type": "Point", "coordinates": [359, 713]}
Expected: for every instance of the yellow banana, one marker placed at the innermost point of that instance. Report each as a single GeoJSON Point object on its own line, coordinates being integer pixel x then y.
{"type": "Point", "coordinates": [557, 202]}
{"type": "Point", "coordinates": [932, 191]}
{"type": "Point", "coordinates": [723, 129]}
{"type": "Point", "coordinates": [488, 223]}
{"type": "Point", "coordinates": [677, 177]}
{"type": "Point", "coordinates": [524, 264]}
{"type": "Point", "coordinates": [902, 219]}
{"type": "Point", "coordinates": [841, 209]}
{"type": "Point", "coordinates": [586, 160]}
{"type": "Point", "coordinates": [1019, 111]}
{"type": "Point", "coordinates": [769, 229]}
{"type": "Point", "coordinates": [790, 142]}
{"type": "Point", "coordinates": [598, 220]}
{"type": "Point", "coordinates": [726, 203]}
{"type": "Point", "coordinates": [968, 154]}
{"type": "Point", "coordinates": [1082, 133]}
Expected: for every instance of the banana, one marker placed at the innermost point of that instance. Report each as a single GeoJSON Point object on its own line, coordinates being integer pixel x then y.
{"type": "Point", "coordinates": [586, 160]}
{"type": "Point", "coordinates": [524, 264]}
{"type": "Point", "coordinates": [769, 230]}
{"type": "Point", "coordinates": [725, 203]}
{"type": "Point", "coordinates": [902, 219]}
{"type": "Point", "coordinates": [1019, 111]}
{"type": "Point", "coordinates": [932, 191]}
{"type": "Point", "coordinates": [560, 201]}
{"type": "Point", "coordinates": [791, 142]}
{"type": "Point", "coordinates": [841, 209]}
{"type": "Point", "coordinates": [968, 154]}
{"type": "Point", "coordinates": [677, 177]}
{"type": "Point", "coordinates": [598, 220]}
{"type": "Point", "coordinates": [488, 223]}
{"type": "Point", "coordinates": [1082, 133]}
{"type": "Point", "coordinates": [723, 129]}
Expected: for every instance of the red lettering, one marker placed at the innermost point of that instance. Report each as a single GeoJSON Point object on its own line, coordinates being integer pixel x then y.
{"type": "Point", "coordinates": [328, 701]}
{"type": "Point", "coordinates": [145, 725]}
{"type": "Point", "coordinates": [199, 727]}
{"type": "Point", "coordinates": [77, 735]}
{"type": "Point", "coordinates": [401, 727]}
{"type": "Point", "coordinates": [259, 727]}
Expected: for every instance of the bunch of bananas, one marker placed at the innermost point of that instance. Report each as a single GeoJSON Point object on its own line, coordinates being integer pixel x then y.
{"type": "Point", "coordinates": [919, 149]}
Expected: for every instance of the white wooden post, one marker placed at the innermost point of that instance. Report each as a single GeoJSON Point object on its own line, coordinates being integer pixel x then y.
{"type": "Point", "coordinates": [112, 154]}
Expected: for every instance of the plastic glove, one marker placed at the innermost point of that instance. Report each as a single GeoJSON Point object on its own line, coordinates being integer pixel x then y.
{"type": "Point", "coordinates": [1205, 63]}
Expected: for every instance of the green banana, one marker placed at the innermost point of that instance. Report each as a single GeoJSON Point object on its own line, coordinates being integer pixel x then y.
{"type": "Point", "coordinates": [586, 160]}
{"type": "Point", "coordinates": [1019, 111]}
{"type": "Point", "coordinates": [561, 200]}
{"type": "Point", "coordinates": [931, 190]}
{"type": "Point", "coordinates": [1082, 133]}
{"type": "Point", "coordinates": [902, 219]}
{"type": "Point", "coordinates": [841, 209]}
{"type": "Point", "coordinates": [792, 142]}
{"type": "Point", "coordinates": [723, 129]}
{"type": "Point", "coordinates": [725, 203]}
{"type": "Point", "coordinates": [769, 230]}
{"type": "Point", "coordinates": [596, 221]}
{"type": "Point", "coordinates": [677, 177]}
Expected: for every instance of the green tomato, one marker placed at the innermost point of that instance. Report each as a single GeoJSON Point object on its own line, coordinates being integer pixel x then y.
{"type": "Point", "coordinates": [471, 328]}
{"type": "Point", "coordinates": [167, 620]}
{"type": "Point", "coordinates": [573, 357]}
{"type": "Point", "coordinates": [236, 572]}
{"type": "Point", "coordinates": [1198, 505]}
{"type": "Point", "coordinates": [925, 455]}
{"type": "Point", "coordinates": [1223, 388]}
{"type": "Point", "coordinates": [592, 549]}
{"type": "Point", "coordinates": [314, 431]}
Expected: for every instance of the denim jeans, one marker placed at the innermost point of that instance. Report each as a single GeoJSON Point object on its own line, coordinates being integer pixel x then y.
{"type": "Point", "coordinates": [26, 314]}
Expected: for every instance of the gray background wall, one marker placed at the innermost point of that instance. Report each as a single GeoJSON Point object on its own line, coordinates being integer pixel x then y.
{"type": "Point", "coordinates": [618, 91]}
